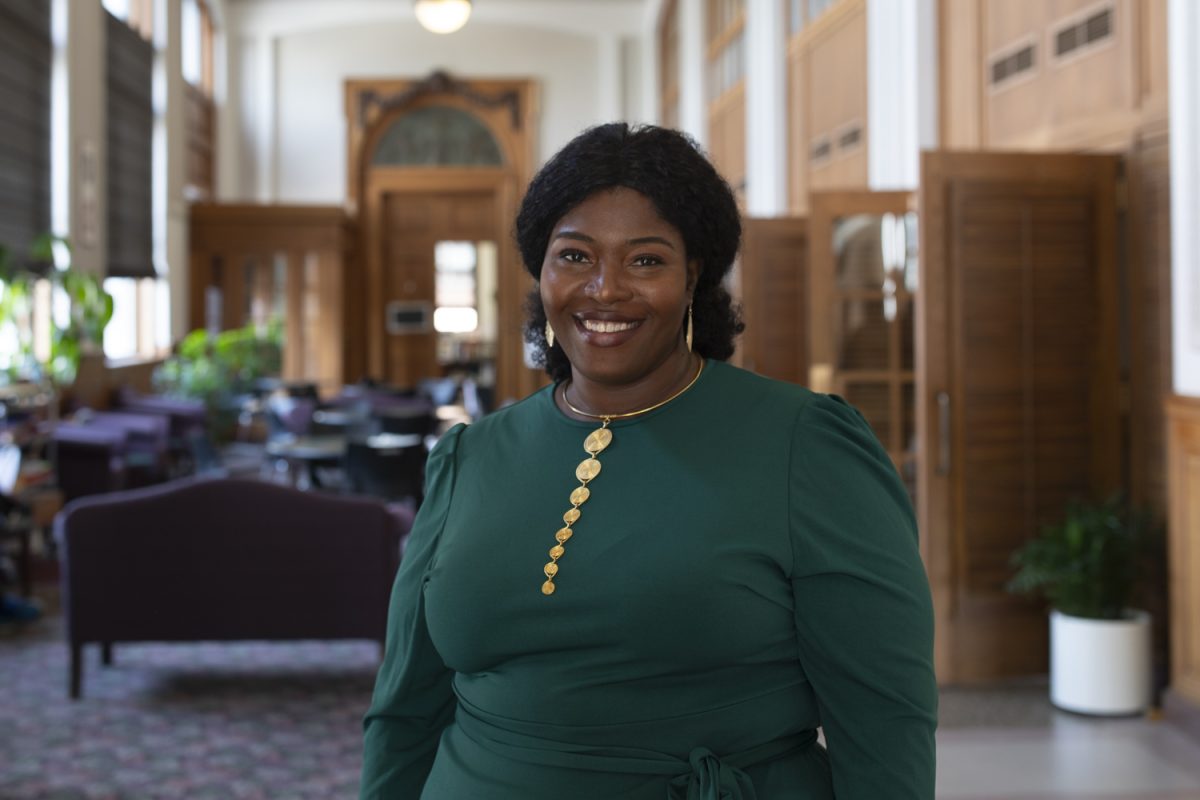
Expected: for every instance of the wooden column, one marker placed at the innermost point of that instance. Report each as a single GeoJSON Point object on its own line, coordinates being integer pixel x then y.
{"type": "Point", "coordinates": [1183, 488]}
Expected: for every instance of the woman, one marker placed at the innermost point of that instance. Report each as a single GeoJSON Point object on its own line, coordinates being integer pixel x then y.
{"type": "Point", "coordinates": [659, 576]}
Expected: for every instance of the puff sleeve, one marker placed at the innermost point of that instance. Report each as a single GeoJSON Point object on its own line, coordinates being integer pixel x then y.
{"type": "Point", "coordinates": [413, 699]}
{"type": "Point", "coordinates": [864, 617]}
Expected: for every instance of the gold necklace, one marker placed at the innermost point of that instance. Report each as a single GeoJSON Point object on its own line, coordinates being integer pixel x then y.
{"type": "Point", "coordinates": [588, 469]}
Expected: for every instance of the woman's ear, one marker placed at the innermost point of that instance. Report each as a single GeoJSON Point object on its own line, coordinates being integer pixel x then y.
{"type": "Point", "coordinates": [693, 275]}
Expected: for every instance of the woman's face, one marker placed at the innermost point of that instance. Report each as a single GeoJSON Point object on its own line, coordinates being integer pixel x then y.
{"type": "Point", "coordinates": [616, 284]}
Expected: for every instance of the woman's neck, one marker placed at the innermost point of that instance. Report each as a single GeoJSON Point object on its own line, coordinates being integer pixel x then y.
{"type": "Point", "coordinates": [600, 398]}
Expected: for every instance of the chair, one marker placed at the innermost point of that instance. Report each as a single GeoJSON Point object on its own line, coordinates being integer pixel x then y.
{"type": "Point", "coordinates": [222, 560]}
{"type": "Point", "coordinates": [89, 460]}
{"type": "Point", "coordinates": [146, 446]}
{"type": "Point", "coordinates": [389, 466]}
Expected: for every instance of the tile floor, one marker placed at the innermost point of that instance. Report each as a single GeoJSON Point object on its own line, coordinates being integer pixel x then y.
{"type": "Point", "coordinates": [1009, 744]}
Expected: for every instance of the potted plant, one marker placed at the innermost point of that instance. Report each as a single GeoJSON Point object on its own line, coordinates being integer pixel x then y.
{"type": "Point", "coordinates": [219, 369]}
{"type": "Point", "coordinates": [90, 310]}
{"type": "Point", "coordinates": [1087, 567]}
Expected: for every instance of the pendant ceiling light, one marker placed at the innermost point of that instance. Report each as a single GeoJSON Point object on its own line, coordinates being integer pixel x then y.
{"type": "Point", "coordinates": [443, 16]}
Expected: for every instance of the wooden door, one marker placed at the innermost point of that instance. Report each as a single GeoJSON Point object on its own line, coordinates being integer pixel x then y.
{"type": "Point", "coordinates": [414, 222]}
{"type": "Point", "coordinates": [1017, 375]}
{"type": "Point", "coordinates": [774, 290]}
{"type": "Point", "coordinates": [862, 278]}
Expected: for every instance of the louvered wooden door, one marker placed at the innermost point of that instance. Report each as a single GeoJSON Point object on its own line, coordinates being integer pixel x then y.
{"type": "Point", "coordinates": [863, 276]}
{"type": "Point", "coordinates": [1018, 380]}
{"type": "Point", "coordinates": [774, 296]}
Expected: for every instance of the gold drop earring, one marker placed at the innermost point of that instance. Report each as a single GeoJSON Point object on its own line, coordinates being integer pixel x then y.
{"type": "Point", "coordinates": [688, 336]}
{"type": "Point", "coordinates": [549, 336]}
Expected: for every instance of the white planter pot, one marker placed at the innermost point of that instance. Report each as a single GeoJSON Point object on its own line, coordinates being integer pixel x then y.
{"type": "Point", "coordinates": [1100, 666]}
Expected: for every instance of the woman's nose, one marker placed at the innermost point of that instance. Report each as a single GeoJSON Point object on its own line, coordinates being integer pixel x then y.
{"type": "Point", "coordinates": [609, 283]}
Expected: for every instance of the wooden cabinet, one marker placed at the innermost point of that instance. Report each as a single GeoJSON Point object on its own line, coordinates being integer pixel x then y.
{"type": "Point", "coordinates": [863, 277]}
{"type": "Point", "coordinates": [1017, 382]}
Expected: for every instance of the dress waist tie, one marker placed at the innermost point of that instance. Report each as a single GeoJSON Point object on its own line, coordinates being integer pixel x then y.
{"type": "Point", "coordinates": [703, 776]}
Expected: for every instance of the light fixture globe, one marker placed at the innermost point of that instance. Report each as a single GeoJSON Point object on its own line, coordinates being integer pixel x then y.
{"type": "Point", "coordinates": [442, 16]}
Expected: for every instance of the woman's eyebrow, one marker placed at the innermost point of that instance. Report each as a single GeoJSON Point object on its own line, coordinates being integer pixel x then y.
{"type": "Point", "coordinates": [650, 240]}
{"type": "Point", "coordinates": [582, 237]}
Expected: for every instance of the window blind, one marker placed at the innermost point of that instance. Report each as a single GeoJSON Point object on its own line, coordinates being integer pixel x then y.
{"type": "Point", "coordinates": [130, 64]}
{"type": "Point", "coordinates": [25, 59]}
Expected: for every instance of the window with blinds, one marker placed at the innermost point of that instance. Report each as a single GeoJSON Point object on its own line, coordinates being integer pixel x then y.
{"type": "Point", "coordinates": [25, 61]}
{"type": "Point", "coordinates": [130, 63]}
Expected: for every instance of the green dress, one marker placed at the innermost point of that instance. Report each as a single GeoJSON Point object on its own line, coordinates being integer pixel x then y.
{"type": "Point", "coordinates": [745, 571]}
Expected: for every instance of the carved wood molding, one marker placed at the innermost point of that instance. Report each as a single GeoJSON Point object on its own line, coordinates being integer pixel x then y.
{"type": "Point", "coordinates": [438, 82]}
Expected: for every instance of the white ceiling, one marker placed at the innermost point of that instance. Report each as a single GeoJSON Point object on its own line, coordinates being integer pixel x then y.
{"type": "Point", "coordinates": [590, 17]}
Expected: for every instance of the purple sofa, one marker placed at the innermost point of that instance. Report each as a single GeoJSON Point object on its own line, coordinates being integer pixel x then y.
{"type": "Point", "coordinates": [221, 560]}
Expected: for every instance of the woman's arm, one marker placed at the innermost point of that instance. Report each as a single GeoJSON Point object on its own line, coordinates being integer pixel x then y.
{"type": "Point", "coordinates": [413, 700]}
{"type": "Point", "coordinates": [864, 619]}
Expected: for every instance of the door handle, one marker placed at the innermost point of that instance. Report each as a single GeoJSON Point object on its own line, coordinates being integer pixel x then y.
{"type": "Point", "coordinates": [943, 405]}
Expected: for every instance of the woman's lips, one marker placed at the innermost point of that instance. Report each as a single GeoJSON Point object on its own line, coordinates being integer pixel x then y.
{"type": "Point", "coordinates": [606, 332]}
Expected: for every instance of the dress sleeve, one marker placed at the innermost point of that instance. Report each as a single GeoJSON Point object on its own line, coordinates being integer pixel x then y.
{"type": "Point", "coordinates": [413, 700]}
{"type": "Point", "coordinates": [864, 617]}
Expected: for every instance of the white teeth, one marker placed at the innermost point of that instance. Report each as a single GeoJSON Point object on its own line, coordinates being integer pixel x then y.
{"type": "Point", "coordinates": [605, 326]}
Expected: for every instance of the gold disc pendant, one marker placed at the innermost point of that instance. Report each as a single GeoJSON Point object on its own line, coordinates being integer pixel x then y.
{"type": "Point", "coordinates": [587, 470]}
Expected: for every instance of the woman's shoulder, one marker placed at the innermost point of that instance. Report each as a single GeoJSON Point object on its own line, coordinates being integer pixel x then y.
{"type": "Point", "coordinates": [749, 390]}
{"type": "Point", "coordinates": [514, 417]}
{"type": "Point", "coordinates": [773, 402]}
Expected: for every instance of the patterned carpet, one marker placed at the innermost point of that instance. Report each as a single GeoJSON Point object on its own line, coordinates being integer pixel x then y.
{"type": "Point", "coordinates": [253, 720]}
{"type": "Point", "coordinates": [241, 720]}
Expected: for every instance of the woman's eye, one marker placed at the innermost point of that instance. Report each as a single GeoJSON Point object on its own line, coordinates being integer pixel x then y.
{"type": "Point", "coordinates": [573, 256]}
{"type": "Point", "coordinates": [647, 261]}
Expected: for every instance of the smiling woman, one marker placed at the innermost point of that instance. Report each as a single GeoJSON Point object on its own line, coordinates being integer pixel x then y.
{"type": "Point", "coordinates": [658, 577]}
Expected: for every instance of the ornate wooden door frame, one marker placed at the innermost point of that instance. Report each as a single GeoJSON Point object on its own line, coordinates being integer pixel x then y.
{"type": "Point", "coordinates": [507, 108]}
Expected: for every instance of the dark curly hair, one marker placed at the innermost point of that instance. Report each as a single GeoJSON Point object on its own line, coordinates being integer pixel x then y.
{"type": "Point", "coordinates": [668, 168]}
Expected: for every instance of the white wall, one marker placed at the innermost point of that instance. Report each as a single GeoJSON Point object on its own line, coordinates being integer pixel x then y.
{"type": "Point", "coordinates": [1183, 24]}
{"type": "Point", "coordinates": [283, 134]}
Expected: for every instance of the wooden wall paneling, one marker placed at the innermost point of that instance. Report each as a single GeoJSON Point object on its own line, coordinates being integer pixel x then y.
{"type": "Point", "coordinates": [774, 279]}
{"type": "Point", "coordinates": [1096, 88]}
{"type": "Point", "coordinates": [1149, 310]}
{"type": "Point", "coordinates": [414, 221]}
{"type": "Point", "coordinates": [1147, 298]}
{"type": "Point", "coordinates": [1152, 58]}
{"type": "Point", "coordinates": [1017, 109]}
{"type": "Point", "coordinates": [960, 74]}
{"type": "Point", "coordinates": [1018, 329]}
{"type": "Point", "coordinates": [835, 48]}
{"type": "Point", "coordinates": [1183, 416]}
{"type": "Point", "coordinates": [295, 340]}
{"type": "Point", "coordinates": [200, 276]}
{"type": "Point", "coordinates": [233, 289]}
{"type": "Point", "coordinates": [234, 247]}
{"type": "Point", "coordinates": [1094, 98]}
{"type": "Point", "coordinates": [797, 126]}
{"type": "Point", "coordinates": [668, 63]}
